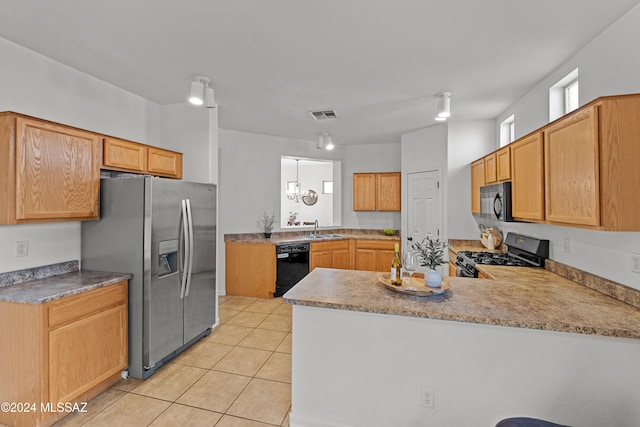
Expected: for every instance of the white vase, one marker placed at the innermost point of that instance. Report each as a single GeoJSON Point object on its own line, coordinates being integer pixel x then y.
{"type": "Point", "coordinates": [433, 279]}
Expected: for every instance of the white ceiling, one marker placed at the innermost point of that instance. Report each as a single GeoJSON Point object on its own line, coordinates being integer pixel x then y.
{"type": "Point", "coordinates": [377, 63]}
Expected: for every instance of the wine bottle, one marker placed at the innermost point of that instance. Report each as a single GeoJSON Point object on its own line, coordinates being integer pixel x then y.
{"type": "Point", "coordinates": [396, 267]}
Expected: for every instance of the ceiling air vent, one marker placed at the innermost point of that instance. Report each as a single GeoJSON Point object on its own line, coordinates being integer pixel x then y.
{"type": "Point", "coordinates": [323, 115]}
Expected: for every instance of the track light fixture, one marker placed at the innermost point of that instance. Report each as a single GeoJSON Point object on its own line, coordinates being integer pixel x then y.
{"type": "Point", "coordinates": [444, 106]}
{"type": "Point", "coordinates": [325, 142]}
{"type": "Point", "coordinates": [201, 93]}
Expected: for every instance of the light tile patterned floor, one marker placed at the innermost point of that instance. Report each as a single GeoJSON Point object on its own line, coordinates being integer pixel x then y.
{"type": "Point", "coordinates": [239, 376]}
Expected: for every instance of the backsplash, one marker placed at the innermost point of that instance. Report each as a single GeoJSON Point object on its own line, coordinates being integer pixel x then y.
{"type": "Point", "coordinates": [35, 273]}
{"type": "Point", "coordinates": [608, 287]}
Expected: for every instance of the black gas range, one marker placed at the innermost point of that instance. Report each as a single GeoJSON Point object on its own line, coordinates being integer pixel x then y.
{"type": "Point", "coordinates": [523, 251]}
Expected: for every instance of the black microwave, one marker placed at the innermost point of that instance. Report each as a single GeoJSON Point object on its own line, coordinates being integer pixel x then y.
{"type": "Point", "coordinates": [495, 202]}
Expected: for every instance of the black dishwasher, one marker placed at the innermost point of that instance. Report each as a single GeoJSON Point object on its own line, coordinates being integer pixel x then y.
{"type": "Point", "coordinates": [292, 264]}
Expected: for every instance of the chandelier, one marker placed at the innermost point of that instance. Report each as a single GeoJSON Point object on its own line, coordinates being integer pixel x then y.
{"type": "Point", "coordinates": [293, 188]}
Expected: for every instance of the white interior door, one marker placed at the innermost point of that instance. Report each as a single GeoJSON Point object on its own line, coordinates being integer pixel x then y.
{"type": "Point", "coordinates": [424, 206]}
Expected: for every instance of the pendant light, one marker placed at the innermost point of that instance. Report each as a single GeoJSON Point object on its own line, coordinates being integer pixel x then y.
{"type": "Point", "coordinates": [293, 188]}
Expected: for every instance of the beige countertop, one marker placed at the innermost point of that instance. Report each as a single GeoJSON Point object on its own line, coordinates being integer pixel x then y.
{"type": "Point", "coordinates": [520, 297]}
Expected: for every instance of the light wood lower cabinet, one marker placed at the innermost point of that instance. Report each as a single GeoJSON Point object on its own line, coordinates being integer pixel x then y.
{"type": "Point", "coordinates": [329, 254]}
{"type": "Point", "coordinates": [250, 269]}
{"type": "Point", "coordinates": [374, 255]}
{"type": "Point", "coordinates": [64, 351]}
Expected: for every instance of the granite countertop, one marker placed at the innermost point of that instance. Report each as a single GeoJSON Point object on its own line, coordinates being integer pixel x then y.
{"type": "Point", "coordinates": [58, 286]}
{"type": "Point", "coordinates": [532, 298]}
{"type": "Point", "coordinates": [303, 236]}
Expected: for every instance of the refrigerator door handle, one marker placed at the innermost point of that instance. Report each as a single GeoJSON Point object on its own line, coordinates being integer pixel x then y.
{"type": "Point", "coordinates": [190, 221]}
{"type": "Point", "coordinates": [185, 261]}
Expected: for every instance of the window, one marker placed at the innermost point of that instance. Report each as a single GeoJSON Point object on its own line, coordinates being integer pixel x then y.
{"type": "Point", "coordinates": [571, 96]}
{"type": "Point", "coordinates": [508, 131]}
{"type": "Point", "coordinates": [564, 96]}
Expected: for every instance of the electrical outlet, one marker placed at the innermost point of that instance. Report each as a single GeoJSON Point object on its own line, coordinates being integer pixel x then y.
{"type": "Point", "coordinates": [567, 245]}
{"type": "Point", "coordinates": [22, 248]}
{"type": "Point", "coordinates": [635, 263]}
{"type": "Point", "coordinates": [426, 397]}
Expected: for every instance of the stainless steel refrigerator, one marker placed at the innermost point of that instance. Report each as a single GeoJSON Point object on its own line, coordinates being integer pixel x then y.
{"type": "Point", "coordinates": [164, 233]}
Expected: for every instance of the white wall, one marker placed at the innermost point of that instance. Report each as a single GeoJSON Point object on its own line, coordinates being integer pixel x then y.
{"type": "Point", "coordinates": [425, 150]}
{"type": "Point", "coordinates": [35, 85]}
{"type": "Point", "coordinates": [606, 68]}
{"type": "Point", "coordinates": [368, 158]}
{"type": "Point", "coordinates": [467, 141]}
{"type": "Point", "coordinates": [364, 369]}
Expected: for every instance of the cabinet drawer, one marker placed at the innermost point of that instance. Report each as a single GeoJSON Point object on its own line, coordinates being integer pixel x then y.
{"type": "Point", "coordinates": [376, 244]}
{"type": "Point", "coordinates": [333, 245]}
{"type": "Point", "coordinates": [75, 307]}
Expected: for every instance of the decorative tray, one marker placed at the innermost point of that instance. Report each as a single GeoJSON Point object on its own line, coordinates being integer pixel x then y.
{"type": "Point", "coordinates": [416, 287]}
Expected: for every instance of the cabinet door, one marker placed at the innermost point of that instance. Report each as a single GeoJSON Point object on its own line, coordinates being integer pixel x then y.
{"type": "Point", "coordinates": [490, 169]}
{"type": "Point", "coordinates": [340, 259]}
{"type": "Point", "coordinates": [503, 162]}
{"type": "Point", "coordinates": [250, 269]}
{"type": "Point", "coordinates": [388, 191]}
{"type": "Point", "coordinates": [320, 259]}
{"type": "Point", "coordinates": [364, 191]}
{"type": "Point", "coordinates": [477, 181]}
{"type": "Point", "coordinates": [126, 155]}
{"type": "Point", "coordinates": [58, 172]}
{"type": "Point", "coordinates": [84, 353]}
{"type": "Point", "coordinates": [528, 178]}
{"type": "Point", "coordinates": [384, 259]}
{"type": "Point", "coordinates": [164, 162]}
{"type": "Point", "coordinates": [366, 259]}
{"type": "Point", "coordinates": [572, 166]}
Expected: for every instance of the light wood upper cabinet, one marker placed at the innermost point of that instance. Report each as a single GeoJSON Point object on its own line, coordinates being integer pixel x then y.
{"type": "Point", "coordinates": [591, 159]}
{"type": "Point", "coordinates": [527, 188]}
{"type": "Point", "coordinates": [503, 162]}
{"type": "Point", "coordinates": [49, 172]}
{"type": "Point", "coordinates": [477, 181]}
{"type": "Point", "coordinates": [490, 169]}
{"type": "Point", "coordinates": [124, 155]}
{"type": "Point", "coordinates": [571, 170]}
{"type": "Point", "coordinates": [250, 269]}
{"type": "Point", "coordinates": [164, 162]}
{"type": "Point", "coordinates": [364, 192]}
{"type": "Point", "coordinates": [129, 156]}
{"type": "Point", "coordinates": [376, 191]}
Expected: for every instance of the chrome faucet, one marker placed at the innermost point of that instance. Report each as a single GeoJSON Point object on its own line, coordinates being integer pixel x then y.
{"type": "Point", "coordinates": [315, 228]}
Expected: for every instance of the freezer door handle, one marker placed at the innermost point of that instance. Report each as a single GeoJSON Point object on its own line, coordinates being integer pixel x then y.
{"type": "Point", "coordinates": [190, 252]}
{"type": "Point", "coordinates": [185, 261]}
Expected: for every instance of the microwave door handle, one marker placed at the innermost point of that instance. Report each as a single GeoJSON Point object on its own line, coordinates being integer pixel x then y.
{"type": "Point", "coordinates": [497, 206]}
{"type": "Point", "coordinates": [185, 234]}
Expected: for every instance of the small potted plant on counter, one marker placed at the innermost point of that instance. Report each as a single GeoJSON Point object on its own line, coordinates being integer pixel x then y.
{"type": "Point", "coordinates": [268, 222]}
{"type": "Point", "coordinates": [431, 254]}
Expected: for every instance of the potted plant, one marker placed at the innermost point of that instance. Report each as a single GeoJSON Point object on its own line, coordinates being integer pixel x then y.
{"type": "Point", "coordinates": [431, 254]}
{"type": "Point", "coordinates": [268, 222]}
